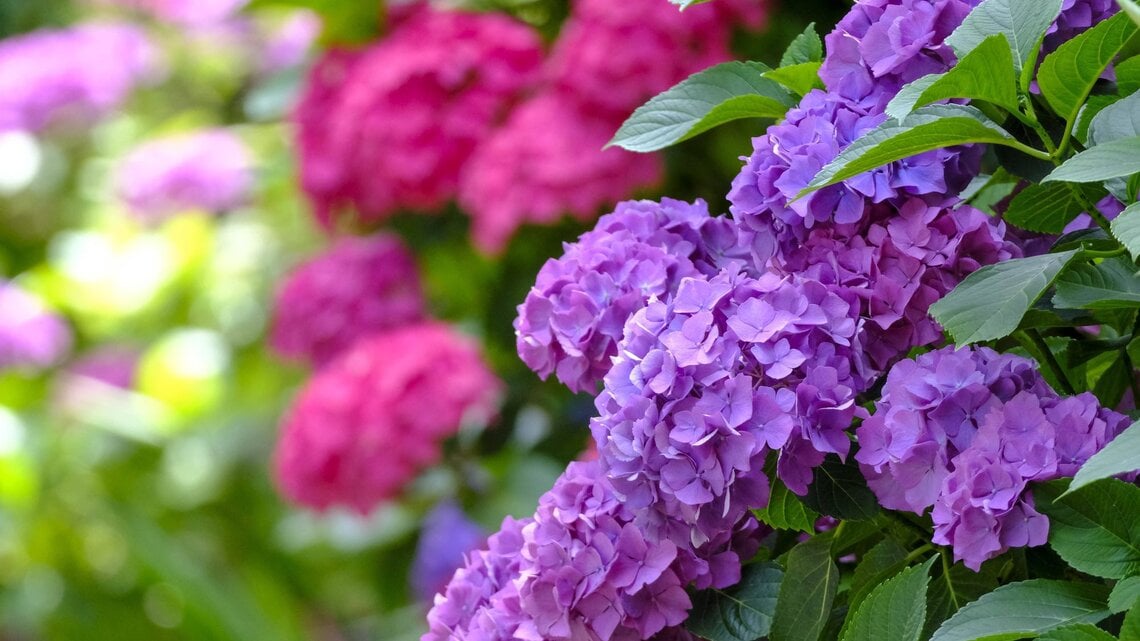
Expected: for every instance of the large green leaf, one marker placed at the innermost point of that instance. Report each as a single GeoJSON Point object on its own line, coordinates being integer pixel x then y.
{"type": "Point", "coordinates": [990, 303]}
{"type": "Point", "coordinates": [1094, 530]}
{"type": "Point", "coordinates": [930, 127]}
{"type": "Point", "coordinates": [886, 559]}
{"type": "Point", "coordinates": [1112, 159]}
{"type": "Point", "coordinates": [1128, 76]}
{"type": "Point", "coordinates": [1026, 609]}
{"type": "Point", "coordinates": [741, 613]}
{"type": "Point", "coordinates": [708, 98]}
{"type": "Point", "coordinates": [1044, 208]}
{"type": "Point", "coordinates": [1130, 629]}
{"type": "Point", "coordinates": [952, 588]}
{"type": "Point", "coordinates": [1116, 121]}
{"type": "Point", "coordinates": [986, 73]}
{"type": "Point", "coordinates": [800, 78]}
{"type": "Point", "coordinates": [894, 611]}
{"type": "Point", "coordinates": [806, 47]}
{"type": "Point", "coordinates": [1126, 228]}
{"type": "Point", "coordinates": [1120, 456]}
{"type": "Point", "coordinates": [1124, 594]}
{"type": "Point", "coordinates": [785, 510]}
{"type": "Point", "coordinates": [1068, 74]}
{"type": "Point", "coordinates": [1131, 8]}
{"type": "Point", "coordinates": [1077, 632]}
{"type": "Point", "coordinates": [1022, 22]}
{"type": "Point", "coordinates": [839, 489]}
{"type": "Point", "coordinates": [1111, 284]}
{"type": "Point", "coordinates": [805, 601]}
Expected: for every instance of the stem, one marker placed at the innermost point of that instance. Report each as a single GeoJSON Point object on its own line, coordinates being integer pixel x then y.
{"type": "Point", "coordinates": [1050, 360]}
{"type": "Point", "coordinates": [1090, 207]}
{"type": "Point", "coordinates": [1030, 151]}
{"type": "Point", "coordinates": [1112, 253]}
{"type": "Point", "coordinates": [1031, 120]}
{"type": "Point", "coordinates": [918, 552]}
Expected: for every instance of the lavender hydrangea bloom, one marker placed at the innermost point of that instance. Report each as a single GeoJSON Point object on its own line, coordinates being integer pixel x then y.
{"type": "Point", "coordinates": [705, 385]}
{"type": "Point", "coordinates": [965, 431]}
{"type": "Point", "coordinates": [1076, 16]}
{"type": "Point", "coordinates": [582, 569]}
{"type": "Point", "coordinates": [31, 337]}
{"type": "Point", "coordinates": [446, 537]}
{"type": "Point", "coordinates": [790, 153]}
{"type": "Point", "coordinates": [209, 170]}
{"type": "Point", "coordinates": [572, 319]}
{"type": "Point", "coordinates": [64, 77]}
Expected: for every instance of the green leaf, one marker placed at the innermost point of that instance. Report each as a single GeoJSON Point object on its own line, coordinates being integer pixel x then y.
{"type": "Point", "coordinates": [986, 73]}
{"type": "Point", "coordinates": [708, 98]}
{"type": "Point", "coordinates": [1044, 208]}
{"type": "Point", "coordinates": [886, 559]}
{"type": "Point", "coordinates": [952, 589]}
{"type": "Point", "coordinates": [800, 78]}
{"type": "Point", "coordinates": [1022, 22]}
{"type": "Point", "coordinates": [742, 613]}
{"type": "Point", "coordinates": [1095, 530]}
{"type": "Point", "coordinates": [985, 192]}
{"type": "Point", "coordinates": [1068, 74]}
{"type": "Point", "coordinates": [1093, 106]}
{"type": "Point", "coordinates": [894, 611]}
{"type": "Point", "coordinates": [1130, 629]}
{"type": "Point", "coordinates": [840, 490]}
{"type": "Point", "coordinates": [1116, 121]}
{"type": "Point", "coordinates": [805, 602]}
{"type": "Point", "coordinates": [1126, 229]}
{"type": "Point", "coordinates": [990, 303]}
{"type": "Point", "coordinates": [1026, 609]}
{"type": "Point", "coordinates": [1111, 284]}
{"type": "Point", "coordinates": [1112, 382]}
{"type": "Point", "coordinates": [1131, 9]}
{"type": "Point", "coordinates": [1112, 159]}
{"type": "Point", "coordinates": [930, 127]}
{"type": "Point", "coordinates": [1124, 594]}
{"type": "Point", "coordinates": [1120, 456]}
{"type": "Point", "coordinates": [1077, 632]}
{"type": "Point", "coordinates": [786, 511]}
{"type": "Point", "coordinates": [1128, 76]}
{"type": "Point", "coordinates": [806, 47]}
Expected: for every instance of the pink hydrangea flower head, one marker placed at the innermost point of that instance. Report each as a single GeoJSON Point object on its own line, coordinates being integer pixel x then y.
{"type": "Point", "coordinates": [359, 286]}
{"type": "Point", "coordinates": [210, 170]}
{"type": "Point", "coordinates": [66, 77]}
{"type": "Point", "coordinates": [366, 424]}
{"type": "Point", "coordinates": [390, 127]}
{"type": "Point", "coordinates": [546, 161]}
{"type": "Point", "coordinates": [31, 336]}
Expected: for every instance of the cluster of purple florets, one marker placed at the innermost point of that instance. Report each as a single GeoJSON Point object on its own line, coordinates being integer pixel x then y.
{"type": "Point", "coordinates": [757, 336]}
{"type": "Point", "coordinates": [965, 431]}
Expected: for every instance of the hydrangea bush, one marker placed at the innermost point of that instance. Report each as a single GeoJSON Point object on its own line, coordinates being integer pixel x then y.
{"type": "Point", "coordinates": [916, 321]}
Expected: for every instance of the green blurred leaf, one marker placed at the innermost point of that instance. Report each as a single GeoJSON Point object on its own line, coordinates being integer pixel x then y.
{"type": "Point", "coordinates": [1131, 9]}
{"type": "Point", "coordinates": [1026, 609]}
{"type": "Point", "coordinates": [1128, 75]}
{"type": "Point", "coordinates": [1077, 632]}
{"type": "Point", "coordinates": [741, 613]}
{"type": "Point", "coordinates": [1124, 594]}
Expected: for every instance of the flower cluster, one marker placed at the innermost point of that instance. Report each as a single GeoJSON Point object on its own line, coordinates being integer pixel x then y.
{"type": "Point", "coordinates": [186, 13]}
{"type": "Point", "coordinates": [390, 127]}
{"type": "Point", "coordinates": [63, 77]}
{"type": "Point", "coordinates": [1076, 16]}
{"type": "Point", "coordinates": [209, 170]}
{"type": "Point", "coordinates": [446, 536]}
{"type": "Point", "coordinates": [965, 431]}
{"type": "Point", "coordinates": [357, 287]}
{"type": "Point", "coordinates": [31, 337]}
{"type": "Point", "coordinates": [572, 319]}
{"type": "Point", "coordinates": [705, 385]}
{"type": "Point", "coordinates": [580, 568]}
{"type": "Point", "coordinates": [358, 432]}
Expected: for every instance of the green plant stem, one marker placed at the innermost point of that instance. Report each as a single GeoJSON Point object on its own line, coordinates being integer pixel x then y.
{"type": "Point", "coordinates": [1050, 361]}
{"type": "Point", "coordinates": [1090, 207]}
{"type": "Point", "coordinates": [1035, 124]}
{"type": "Point", "coordinates": [1031, 151]}
{"type": "Point", "coordinates": [1112, 253]}
{"type": "Point", "coordinates": [917, 553]}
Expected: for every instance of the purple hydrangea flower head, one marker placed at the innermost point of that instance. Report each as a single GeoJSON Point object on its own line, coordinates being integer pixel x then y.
{"type": "Point", "coordinates": [580, 568]}
{"type": "Point", "coordinates": [965, 432]}
{"type": "Point", "coordinates": [63, 78]}
{"type": "Point", "coordinates": [1077, 16]}
{"type": "Point", "coordinates": [358, 286]}
{"type": "Point", "coordinates": [290, 41]}
{"type": "Point", "coordinates": [572, 319]}
{"type": "Point", "coordinates": [31, 336]}
{"type": "Point", "coordinates": [186, 13]}
{"type": "Point", "coordinates": [792, 152]}
{"type": "Point", "coordinates": [446, 537]}
{"type": "Point", "coordinates": [706, 384]}
{"type": "Point", "coordinates": [209, 170]}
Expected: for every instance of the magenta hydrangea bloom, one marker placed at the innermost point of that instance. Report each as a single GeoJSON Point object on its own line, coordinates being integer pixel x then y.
{"type": "Point", "coordinates": [210, 170]}
{"type": "Point", "coordinates": [31, 336]}
{"type": "Point", "coordinates": [390, 127]}
{"type": "Point", "coordinates": [358, 432]}
{"type": "Point", "coordinates": [705, 385]}
{"type": "Point", "coordinates": [792, 152]}
{"type": "Point", "coordinates": [617, 55]}
{"type": "Point", "coordinates": [546, 161]}
{"type": "Point", "coordinates": [358, 286]}
{"type": "Point", "coordinates": [965, 432]}
{"type": "Point", "coordinates": [447, 535]}
{"type": "Point", "coordinates": [67, 77]}
{"type": "Point", "coordinates": [572, 319]}
{"type": "Point", "coordinates": [580, 568]}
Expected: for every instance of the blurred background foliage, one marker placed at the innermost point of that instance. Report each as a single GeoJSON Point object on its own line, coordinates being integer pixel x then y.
{"type": "Point", "coordinates": [148, 512]}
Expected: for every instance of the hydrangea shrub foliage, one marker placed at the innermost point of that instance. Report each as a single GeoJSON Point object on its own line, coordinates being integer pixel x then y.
{"type": "Point", "coordinates": [853, 406]}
